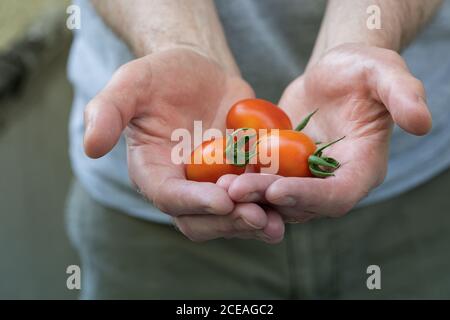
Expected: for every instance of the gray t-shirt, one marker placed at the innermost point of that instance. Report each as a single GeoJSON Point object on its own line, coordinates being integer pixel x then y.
{"type": "Point", "coordinates": [272, 41]}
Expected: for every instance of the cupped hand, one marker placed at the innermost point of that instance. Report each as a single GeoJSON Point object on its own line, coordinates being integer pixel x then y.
{"type": "Point", "coordinates": [151, 97]}
{"type": "Point", "coordinates": [360, 92]}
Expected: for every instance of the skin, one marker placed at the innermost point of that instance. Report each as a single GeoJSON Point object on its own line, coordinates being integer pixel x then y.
{"type": "Point", "coordinates": [257, 114]}
{"type": "Point", "coordinates": [210, 170]}
{"type": "Point", "coordinates": [184, 72]}
{"type": "Point", "coordinates": [361, 86]}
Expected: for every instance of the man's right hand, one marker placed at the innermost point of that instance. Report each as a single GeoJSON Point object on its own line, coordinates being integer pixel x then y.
{"type": "Point", "coordinates": [149, 98]}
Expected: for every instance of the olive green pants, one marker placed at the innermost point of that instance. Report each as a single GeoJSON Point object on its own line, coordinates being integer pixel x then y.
{"type": "Point", "coordinates": [407, 237]}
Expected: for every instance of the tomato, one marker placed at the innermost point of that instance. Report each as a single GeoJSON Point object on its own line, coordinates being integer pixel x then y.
{"type": "Point", "coordinates": [257, 114]}
{"type": "Point", "coordinates": [294, 150]}
{"type": "Point", "coordinates": [212, 162]}
{"type": "Point", "coordinates": [298, 155]}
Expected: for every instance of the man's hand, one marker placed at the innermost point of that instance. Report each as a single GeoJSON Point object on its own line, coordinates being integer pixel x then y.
{"type": "Point", "coordinates": [149, 98]}
{"type": "Point", "coordinates": [186, 73]}
{"type": "Point", "coordinates": [358, 90]}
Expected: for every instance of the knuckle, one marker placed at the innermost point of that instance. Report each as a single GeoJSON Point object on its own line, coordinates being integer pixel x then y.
{"type": "Point", "coordinates": [123, 70]}
{"type": "Point", "coordinates": [418, 86]}
{"type": "Point", "coordinates": [391, 56]}
{"type": "Point", "coordinates": [131, 73]}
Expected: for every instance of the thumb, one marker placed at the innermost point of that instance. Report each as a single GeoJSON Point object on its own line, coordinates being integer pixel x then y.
{"type": "Point", "coordinates": [404, 97]}
{"type": "Point", "coordinates": [107, 115]}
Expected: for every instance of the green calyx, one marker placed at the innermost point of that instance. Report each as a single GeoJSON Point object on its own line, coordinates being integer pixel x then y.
{"type": "Point", "coordinates": [321, 166]}
{"type": "Point", "coordinates": [235, 150]}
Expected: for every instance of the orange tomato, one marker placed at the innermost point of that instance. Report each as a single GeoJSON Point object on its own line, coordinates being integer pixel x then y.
{"type": "Point", "coordinates": [257, 114]}
{"type": "Point", "coordinates": [212, 163]}
{"type": "Point", "coordinates": [294, 149]}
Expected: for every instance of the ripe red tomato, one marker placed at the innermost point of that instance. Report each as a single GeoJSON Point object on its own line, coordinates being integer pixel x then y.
{"type": "Point", "coordinates": [208, 169]}
{"type": "Point", "coordinates": [294, 150]}
{"type": "Point", "coordinates": [257, 114]}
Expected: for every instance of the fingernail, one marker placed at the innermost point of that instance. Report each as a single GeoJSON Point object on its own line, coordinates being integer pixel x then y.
{"type": "Point", "coordinates": [263, 237]}
{"type": "Point", "coordinates": [250, 197]}
{"type": "Point", "coordinates": [242, 224]}
{"type": "Point", "coordinates": [250, 224]}
{"type": "Point", "coordinates": [285, 201]}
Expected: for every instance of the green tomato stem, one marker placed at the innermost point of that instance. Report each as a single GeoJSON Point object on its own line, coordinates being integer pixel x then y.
{"type": "Point", "coordinates": [305, 121]}
{"type": "Point", "coordinates": [320, 150]}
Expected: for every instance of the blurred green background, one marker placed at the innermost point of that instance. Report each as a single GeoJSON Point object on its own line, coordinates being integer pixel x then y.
{"type": "Point", "coordinates": [34, 166]}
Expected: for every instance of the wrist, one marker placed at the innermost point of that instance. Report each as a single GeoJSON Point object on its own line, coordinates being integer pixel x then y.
{"type": "Point", "coordinates": [168, 24]}
{"type": "Point", "coordinates": [338, 28]}
{"type": "Point", "coordinates": [222, 56]}
{"type": "Point", "coordinates": [328, 41]}
{"type": "Point", "coordinates": [320, 51]}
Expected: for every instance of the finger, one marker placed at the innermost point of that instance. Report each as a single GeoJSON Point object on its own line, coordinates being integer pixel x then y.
{"type": "Point", "coordinates": [403, 95]}
{"type": "Point", "coordinates": [226, 180]}
{"type": "Point", "coordinates": [165, 185]}
{"type": "Point", "coordinates": [182, 197]}
{"type": "Point", "coordinates": [274, 230]}
{"type": "Point", "coordinates": [245, 220]}
{"type": "Point", "coordinates": [250, 187]}
{"type": "Point", "coordinates": [333, 197]}
{"type": "Point", "coordinates": [111, 110]}
{"type": "Point", "coordinates": [293, 215]}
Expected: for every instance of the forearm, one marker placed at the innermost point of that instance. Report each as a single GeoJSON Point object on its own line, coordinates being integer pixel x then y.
{"type": "Point", "coordinates": [345, 21]}
{"type": "Point", "coordinates": [149, 26]}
